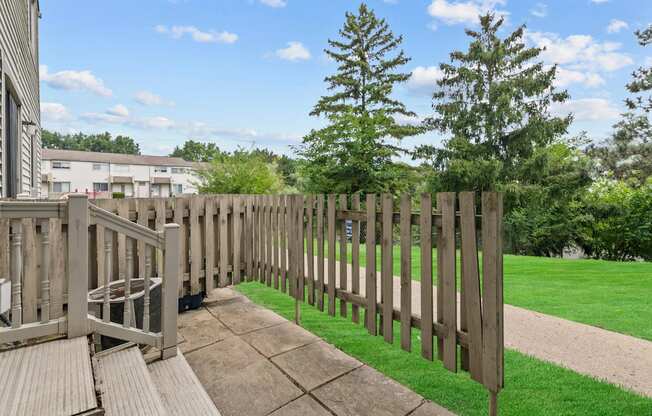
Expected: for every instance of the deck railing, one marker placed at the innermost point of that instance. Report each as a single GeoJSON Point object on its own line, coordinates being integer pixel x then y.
{"type": "Point", "coordinates": [49, 243]}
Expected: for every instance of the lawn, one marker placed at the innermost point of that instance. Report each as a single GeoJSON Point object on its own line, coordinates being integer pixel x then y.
{"type": "Point", "coordinates": [532, 387]}
{"type": "Point", "coordinates": [613, 295]}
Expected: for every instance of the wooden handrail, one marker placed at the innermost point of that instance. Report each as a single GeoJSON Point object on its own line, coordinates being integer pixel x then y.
{"type": "Point", "coordinates": [33, 209]}
{"type": "Point", "coordinates": [126, 227]}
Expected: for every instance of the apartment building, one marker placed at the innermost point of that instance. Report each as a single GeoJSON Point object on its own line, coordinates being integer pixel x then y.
{"type": "Point", "coordinates": [101, 175]}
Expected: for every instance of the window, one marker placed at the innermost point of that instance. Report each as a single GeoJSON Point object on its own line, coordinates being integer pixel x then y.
{"type": "Point", "coordinates": [178, 170]}
{"type": "Point", "coordinates": [60, 187]}
{"type": "Point", "coordinates": [177, 188]}
{"type": "Point", "coordinates": [101, 167]}
{"type": "Point", "coordinates": [60, 164]}
{"type": "Point", "coordinates": [161, 169]}
{"type": "Point", "coordinates": [100, 187]}
{"type": "Point", "coordinates": [121, 168]}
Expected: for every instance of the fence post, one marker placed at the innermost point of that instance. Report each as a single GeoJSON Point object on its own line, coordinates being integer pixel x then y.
{"type": "Point", "coordinates": [169, 297]}
{"type": "Point", "coordinates": [77, 265]}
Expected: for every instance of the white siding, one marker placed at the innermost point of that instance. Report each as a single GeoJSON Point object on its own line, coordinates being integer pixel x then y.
{"type": "Point", "coordinates": [19, 71]}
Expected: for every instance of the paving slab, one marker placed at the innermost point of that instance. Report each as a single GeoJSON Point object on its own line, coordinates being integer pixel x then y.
{"type": "Point", "coordinates": [303, 406]}
{"type": "Point", "coordinates": [279, 339]}
{"type": "Point", "coordinates": [242, 317]}
{"type": "Point", "coordinates": [315, 364]}
{"type": "Point", "coordinates": [431, 409]}
{"type": "Point", "coordinates": [221, 359]}
{"type": "Point", "coordinates": [256, 390]}
{"type": "Point", "coordinates": [198, 329]}
{"type": "Point", "coordinates": [221, 295]}
{"type": "Point", "coordinates": [366, 392]}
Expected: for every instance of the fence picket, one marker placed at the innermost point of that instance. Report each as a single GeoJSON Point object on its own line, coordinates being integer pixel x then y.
{"type": "Point", "coordinates": [310, 203]}
{"type": "Point", "coordinates": [275, 243]}
{"type": "Point", "coordinates": [196, 205]}
{"type": "Point", "coordinates": [224, 241]}
{"type": "Point", "coordinates": [406, 272]}
{"type": "Point", "coordinates": [448, 283]}
{"type": "Point", "coordinates": [320, 252]}
{"type": "Point", "coordinates": [331, 254]}
{"type": "Point", "coordinates": [425, 220]}
{"type": "Point", "coordinates": [387, 269]}
{"type": "Point", "coordinates": [343, 256]}
{"type": "Point", "coordinates": [371, 275]}
{"type": "Point", "coordinates": [179, 207]}
{"type": "Point", "coordinates": [209, 245]}
{"type": "Point", "coordinates": [269, 262]}
{"type": "Point", "coordinates": [355, 258]}
{"type": "Point", "coordinates": [284, 241]}
{"type": "Point", "coordinates": [237, 237]}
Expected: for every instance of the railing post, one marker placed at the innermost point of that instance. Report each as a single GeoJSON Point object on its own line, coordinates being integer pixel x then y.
{"type": "Point", "coordinates": [169, 297]}
{"type": "Point", "coordinates": [77, 265]}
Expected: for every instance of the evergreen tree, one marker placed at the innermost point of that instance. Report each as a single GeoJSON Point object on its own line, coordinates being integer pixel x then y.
{"type": "Point", "coordinates": [494, 102]}
{"type": "Point", "coordinates": [642, 81]}
{"type": "Point", "coordinates": [197, 151]}
{"type": "Point", "coordinates": [363, 132]}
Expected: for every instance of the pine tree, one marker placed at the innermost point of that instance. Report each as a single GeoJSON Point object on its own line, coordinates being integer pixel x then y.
{"type": "Point", "coordinates": [642, 81]}
{"type": "Point", "coordinates": [363, 132]}
{"type": "Point", "coordinates": [494, 102]}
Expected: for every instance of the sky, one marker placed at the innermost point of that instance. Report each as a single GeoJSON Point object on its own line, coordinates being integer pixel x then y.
{"type": "Point", "coordinates": [247, 73]}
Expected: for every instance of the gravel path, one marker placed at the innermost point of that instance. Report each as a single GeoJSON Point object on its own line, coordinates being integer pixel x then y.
{"type": "Point", "coordinates": [616, 358]}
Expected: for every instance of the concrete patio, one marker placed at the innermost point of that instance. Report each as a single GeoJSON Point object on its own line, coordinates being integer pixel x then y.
{"type": "Point", "coordinates": [254, 362]}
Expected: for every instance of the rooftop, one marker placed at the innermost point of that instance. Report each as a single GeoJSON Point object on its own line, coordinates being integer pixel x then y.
{"type": "Point", "coordinates": [124, 159]}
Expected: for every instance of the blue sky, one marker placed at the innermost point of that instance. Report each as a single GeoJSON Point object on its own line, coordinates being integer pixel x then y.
{"type": "Point", "coordinates": [243, 71]}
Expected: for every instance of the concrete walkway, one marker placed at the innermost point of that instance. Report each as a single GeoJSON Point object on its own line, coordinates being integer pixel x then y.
{"type": "Point", "coordinates": [254, 362]}
{"type": "Point", "coordinates": [605, 355]}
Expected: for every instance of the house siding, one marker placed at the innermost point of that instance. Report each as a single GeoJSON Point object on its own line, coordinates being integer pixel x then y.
{"type": "Point", "coordinates": [19, 71]}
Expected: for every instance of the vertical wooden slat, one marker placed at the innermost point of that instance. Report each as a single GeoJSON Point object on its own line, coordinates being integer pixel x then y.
{"type": "Point", "coordinates": [108, 270]}
{"type": "Point", "coordinates": [237, 237]}
{"type": "Point", "coordinates": [291, 246]}
{"type": "Point", "coordinates": [255, 237]}
{"type": "Point", "coordinates": [261, 239]}
{"type": "Point", "coordinates": [301, 256]}
{"type": "Point", "coordinates": [310, 255]}
{"type": "Point", "coordinates": [355, 258]}
{"type": "Point", "coordinates": [343, 255]}
{"type": "Point", "coordinates": [123, 211]}
{"type": "Point", "coordinates": [492, 292]}
{"type": "Point", "coordinates": [45, 270]}
{"type": "Point", "coordinates": [248, 237]}
{"type": "Point", "coordinates": [209, 244]}
{"type": "Point", "coordinates": [320, 252]}
{"type": "Point", "coordinates": [169, 300]}
{"type": "Point", "coordinates": [268, 241]}
{"type": "Point", "coordinates": [371, 275]}
{"type": "Point", "coordinates": [387, 269]}
{"type": "Point", "coordinates": [275, 241]}
{"type": "Point", "coordinates": [406, 272]}
{"type": "Point", "coordinates": [331, 253]}
{"type": "Point", "coordinates": [224, 241]}
{"type": "Point", "coordinates": [30, 275]}
{"type": "Point", "coordinates": [57, 269]}
{"type": "Point", "coordinates": [196, 204]}
{"type": "Point", "coordinates": [142, 207]}
{"type": "Point", "coordinates": [5, 247]}
{"type": "Point", "coordinates": [146, 290]}
{"type": "Point", "coordinates": [16, 273]}
{"type": "Point", "coordinates": [179, 207]}
{"type": "Point", "coordinates": [77, 266]}
{"type": "Point", "coordinates": [471, 318]}
{"type": "Point", "coordinates": [160, 221]}
{"type": "Point", "coordinates": [425, 223]}
{"type": "Point", "coordinates": [284, 247]}
{"type": "Point", "coordinates": [448, 285]}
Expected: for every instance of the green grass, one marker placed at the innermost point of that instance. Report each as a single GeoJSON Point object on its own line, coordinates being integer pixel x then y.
{"type": "Point", "coordinates": [532, 387]}
{"type": "Point", "coordinates": [606, 294]}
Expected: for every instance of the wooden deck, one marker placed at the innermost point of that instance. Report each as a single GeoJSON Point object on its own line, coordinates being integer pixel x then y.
{"type": "Point", "coordinates": [54, 378]}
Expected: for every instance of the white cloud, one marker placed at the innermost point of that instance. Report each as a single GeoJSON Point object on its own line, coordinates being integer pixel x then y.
{"type": "Point", "coordinates": [580, 51]}
{"type": "Point", "coordinates": [118, 111]}
{"type": "Point", "coordinates": [74, 80]}
{"type": "Point", "coordinates": [150, 99]}
{"type": "Point", "coordinates": [599, 1]}
{"type": "Point", "coordinates": [566, 77]}
{"type": "Point", "coordinates": [424, 79]}
{"type": "Point", "coordinates": [274, 3]}
{"type": "Point", "coordinates": [54, 113]}
{"type": "Point", "coordinates": [294, 52]}
{"type": "Point", "coordinates": [539, 10]}
{"type": "Point", "coordinates": [212, 36]}
{"type": "Point", "coordinates": [455, 12]}
{"type": "Point", "coordinates": [588, 109]}
{"type": "Point", "coordinates": [616, 26]}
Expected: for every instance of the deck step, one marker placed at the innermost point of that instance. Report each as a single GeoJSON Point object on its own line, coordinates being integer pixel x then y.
{"type": "Point", "coordinates": [181, 390]}
{"type": "Point", "coordinates": [52, 378]}
{"type": "Point", "coordinates": [126, 386]}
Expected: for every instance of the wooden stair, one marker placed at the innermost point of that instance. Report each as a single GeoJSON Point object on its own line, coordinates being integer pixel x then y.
{"type": "Point", "coordinates": [60, 378]}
